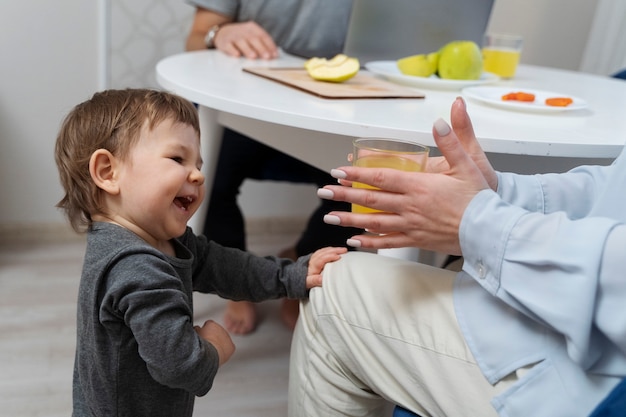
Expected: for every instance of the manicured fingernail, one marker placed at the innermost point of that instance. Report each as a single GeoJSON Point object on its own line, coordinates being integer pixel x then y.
{"type": "Point", "coordinates": [325, 194]}
{"type": "Point", "coordinates": [337, 173]}
{"type": "Point", "coordinates": [462, 100]}
{"type": "Point", "coordinates": [442, 128]}
{"type": "Point", "coordinates": [354, 243]}
{"type": "Point", "coordinates": [330, 219]}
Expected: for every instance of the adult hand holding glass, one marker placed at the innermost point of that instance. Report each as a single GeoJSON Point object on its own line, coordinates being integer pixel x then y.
{"type": "Point", "coordinates": [421, 209]}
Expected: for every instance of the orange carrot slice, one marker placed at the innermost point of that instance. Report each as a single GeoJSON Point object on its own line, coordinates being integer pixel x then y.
{"type": "Point", "coordinates": [559, 101]}
{"type": "Point", "coordinates": [519, 96]}
{"type": "Point", "coordinates": [509, 97]}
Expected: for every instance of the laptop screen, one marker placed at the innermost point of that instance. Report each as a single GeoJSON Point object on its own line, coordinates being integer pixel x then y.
{"type": "Point", "coordinates": [392, 29]}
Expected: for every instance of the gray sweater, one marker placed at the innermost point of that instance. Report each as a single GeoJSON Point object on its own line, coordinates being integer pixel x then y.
{"type": "Point", "coordinates": [305, 28]}
{"type": "Point", "coordinates": [137, 353]}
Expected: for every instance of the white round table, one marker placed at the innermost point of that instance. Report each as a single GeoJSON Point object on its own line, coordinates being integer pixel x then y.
{"type": "Point", "coordinates": [319, 131]}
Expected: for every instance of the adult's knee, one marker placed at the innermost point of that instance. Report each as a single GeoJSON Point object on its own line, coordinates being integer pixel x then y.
{"type": "Point", "coordinates": [349, 282]}
{"type": "Point", "coordinates": [349, 270]}
{"type": "Point", "coordinates": [361, 282]}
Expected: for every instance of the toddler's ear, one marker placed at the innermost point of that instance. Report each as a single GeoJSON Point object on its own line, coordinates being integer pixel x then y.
{"type": "Point", "coordinates": [102, 165]}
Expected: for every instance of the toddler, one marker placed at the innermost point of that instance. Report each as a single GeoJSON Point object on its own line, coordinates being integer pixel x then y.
{"type": "Point", "coordinates": [130, 165]}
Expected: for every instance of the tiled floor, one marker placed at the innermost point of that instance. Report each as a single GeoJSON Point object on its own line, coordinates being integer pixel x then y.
{"type": "Point", "coordinates": [38, 285]}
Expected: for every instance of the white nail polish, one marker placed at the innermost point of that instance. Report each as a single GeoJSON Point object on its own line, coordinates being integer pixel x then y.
{"type": "Point", "coordinates": [354, 243]}
{"type": "Point", "coordinates": [330, 219]}
{"type": "Point", "coordinates": [442, 128]}
{"type": "Point", "coordinates": [325, 194]}
{"type": "Point", "coordinates": [337, 173]}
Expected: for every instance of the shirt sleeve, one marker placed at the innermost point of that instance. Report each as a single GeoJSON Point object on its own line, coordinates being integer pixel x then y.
{"type": "Point", "coordinates": [572, 192]}
{"type": "Point", "coordinates": [147, 295]}
{"type": "Point", "coordinates": [609, 312]}
{"type": "Point", "coordinates": [239, 275]}
{"type": "Point", "coordinates": [224, 7]}
{"type": "Point", "coordinates": [552, 268]}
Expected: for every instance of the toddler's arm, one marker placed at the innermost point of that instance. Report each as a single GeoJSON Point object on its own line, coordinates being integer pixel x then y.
{"type": "Point", "coordinates": [218, 337]}
{"type": "Point", "coordinates": [318, 260]}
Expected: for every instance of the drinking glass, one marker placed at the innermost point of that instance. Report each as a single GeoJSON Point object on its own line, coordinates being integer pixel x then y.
{"type": "Point", "coordinates": [386, 153]}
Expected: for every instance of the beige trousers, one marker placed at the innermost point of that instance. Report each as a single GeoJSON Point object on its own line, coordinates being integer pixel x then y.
{"type": "Point", "coordinates": [383, 331]}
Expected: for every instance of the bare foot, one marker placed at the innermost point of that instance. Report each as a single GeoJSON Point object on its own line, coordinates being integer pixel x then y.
{"type": "Point", "coordinates": [240, 317]}
{"type": "Point", "coordinates": [289, 311]}
{"type": "Point", "coordinates": [289, 253]}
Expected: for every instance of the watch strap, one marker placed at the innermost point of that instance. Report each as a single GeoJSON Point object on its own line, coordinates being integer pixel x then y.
{"type": "Point", "coordinates": [209, 39]}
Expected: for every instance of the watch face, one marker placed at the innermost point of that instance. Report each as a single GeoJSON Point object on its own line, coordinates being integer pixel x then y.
{"type": "Point", "coordinates": [209, 40]}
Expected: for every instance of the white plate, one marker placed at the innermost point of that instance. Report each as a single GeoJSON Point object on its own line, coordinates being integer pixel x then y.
{"type": "Point", "coordinates": [390, 71]}
{"type": "Point", "coordinates": [493, 96]}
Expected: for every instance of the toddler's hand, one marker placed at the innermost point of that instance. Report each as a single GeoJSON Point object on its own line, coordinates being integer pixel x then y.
{"type": "Point", "coordinates": [218, 337]}
{"type": "Point", "coordinates": [318, 260]}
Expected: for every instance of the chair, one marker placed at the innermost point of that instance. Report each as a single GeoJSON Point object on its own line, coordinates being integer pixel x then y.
{"type": "Point", "coordinates": [621, 75]}
{"type": "Point", "coordinates": [614, 405]}
{"type": "Point", "coordinates": [403, 412]}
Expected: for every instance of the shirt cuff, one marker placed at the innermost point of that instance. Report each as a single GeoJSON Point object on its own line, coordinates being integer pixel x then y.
{"type": "Point", "coordinates": [483, 236]}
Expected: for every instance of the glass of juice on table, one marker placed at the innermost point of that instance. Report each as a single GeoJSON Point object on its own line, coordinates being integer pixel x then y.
{"type": "Point", "coordinates": [501, 54]}
{"type": "Point", "coordinates": [386, 153]}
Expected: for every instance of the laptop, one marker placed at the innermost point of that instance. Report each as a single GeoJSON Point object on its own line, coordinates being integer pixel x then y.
{"type": "Point", "coordinates": [392, 29]}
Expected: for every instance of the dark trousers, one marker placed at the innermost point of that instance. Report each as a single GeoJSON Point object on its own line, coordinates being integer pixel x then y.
{"type": "Point", "coordinates": [240, 158]}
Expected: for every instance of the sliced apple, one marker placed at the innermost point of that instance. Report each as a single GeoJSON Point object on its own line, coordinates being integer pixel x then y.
{"type": "Point", "coordinates": [314, 62]}
{"type": "Point", "coordinates": [338, 69]}
{"type": "Point", "coordinates": [338, 60]}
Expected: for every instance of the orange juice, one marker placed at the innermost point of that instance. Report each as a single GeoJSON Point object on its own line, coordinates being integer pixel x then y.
{"type": "Point", "coordinates": [501, 61]}
{"type": "Point", "coordinates": [382, 161]}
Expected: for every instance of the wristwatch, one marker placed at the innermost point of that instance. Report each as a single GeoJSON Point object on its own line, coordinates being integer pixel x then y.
{"type": "Point", "coordinates": [209, 39]}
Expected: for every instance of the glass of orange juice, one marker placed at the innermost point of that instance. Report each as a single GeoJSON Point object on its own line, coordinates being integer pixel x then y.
{"type": "Point", "coordinates": [501, 54]}
{"type": "Point", "coordinates": [386, 153]}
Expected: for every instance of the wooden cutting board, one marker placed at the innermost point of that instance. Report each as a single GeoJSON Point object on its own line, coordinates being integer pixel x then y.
{"type": "Point", "coordinates": [361, 85]}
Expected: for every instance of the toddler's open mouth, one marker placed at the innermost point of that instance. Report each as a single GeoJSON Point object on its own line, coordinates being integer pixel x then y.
{"type": "Point", "coordinates": [183, 202]}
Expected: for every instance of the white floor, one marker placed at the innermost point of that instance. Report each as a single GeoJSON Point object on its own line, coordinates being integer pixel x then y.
{"type": "Point", "coordinates": [38, 285]}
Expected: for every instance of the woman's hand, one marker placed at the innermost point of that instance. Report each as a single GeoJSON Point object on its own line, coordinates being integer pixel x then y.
{"type": "Point", "coordinates": [246, 39]}
{"type": "Point", "coordinates": [462, 126]}
{"type": "Point", "coordinates": [421, 209]}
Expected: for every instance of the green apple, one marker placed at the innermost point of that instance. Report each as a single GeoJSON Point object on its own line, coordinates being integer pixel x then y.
{"type": "Point", "coordinates": [433, 59]}
{"type": "Point", "coordinates": [418, 65]}
{"type": "Point", "coordinates": [460, 60]}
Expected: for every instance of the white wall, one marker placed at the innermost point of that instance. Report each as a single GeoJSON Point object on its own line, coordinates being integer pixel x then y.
{"type": "Point", "coordinates": [605, 52]}
{"type": "Point", "coordinates": [555, 31]}
{"type": "Point", "coordinates": [50, 63]}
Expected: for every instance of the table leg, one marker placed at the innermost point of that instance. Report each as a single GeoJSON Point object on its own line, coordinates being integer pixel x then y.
{"type": "Point", "coordinates": [210, 142]}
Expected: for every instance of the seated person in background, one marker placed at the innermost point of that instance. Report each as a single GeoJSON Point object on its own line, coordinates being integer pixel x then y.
{"type": "Point", "coordinates": [533, 325]}
{"type": "Point", "coordinates": [130, 165]}
{"type": "Point", "coordinates": [255, 30]}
